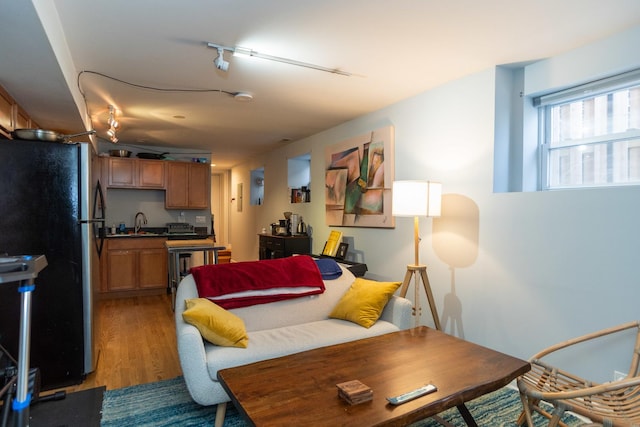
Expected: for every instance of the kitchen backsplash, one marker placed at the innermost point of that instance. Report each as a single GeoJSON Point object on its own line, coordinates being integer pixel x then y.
{"type": "Point", "coordinates": [123, 204]}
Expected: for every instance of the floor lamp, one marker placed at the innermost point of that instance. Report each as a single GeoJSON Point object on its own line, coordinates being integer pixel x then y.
{"type": "Point", "coordinates": [416, 199]}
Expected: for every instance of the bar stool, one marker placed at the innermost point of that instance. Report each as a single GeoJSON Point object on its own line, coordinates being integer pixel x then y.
{"type": "Point", "coordinates": [185, 263]}
{"type": "Point", "coordinates": [176, 249]}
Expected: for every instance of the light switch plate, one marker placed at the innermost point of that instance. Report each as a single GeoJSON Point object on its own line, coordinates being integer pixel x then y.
{"type": "Point", "coordinates": [200, 219]}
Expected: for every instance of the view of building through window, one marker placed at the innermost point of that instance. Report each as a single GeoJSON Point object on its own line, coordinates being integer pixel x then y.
{"type": "Point", "coordinates": [593, 141]}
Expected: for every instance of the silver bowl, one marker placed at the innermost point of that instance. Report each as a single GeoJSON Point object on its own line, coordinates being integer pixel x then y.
{"type": "Point", "coordinates": [119, 153]}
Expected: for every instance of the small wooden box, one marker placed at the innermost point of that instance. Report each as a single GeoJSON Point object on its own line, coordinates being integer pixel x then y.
{"type": "Point", "coordinates": [354, 392]}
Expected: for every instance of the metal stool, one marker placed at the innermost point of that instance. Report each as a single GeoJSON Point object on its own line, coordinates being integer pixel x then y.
{"type": "Point", "coordinates": [176, 248]}
{"type": "Point", "coordinates": [185, 263]}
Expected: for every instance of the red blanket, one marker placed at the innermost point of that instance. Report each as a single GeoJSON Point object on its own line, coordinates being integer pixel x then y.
{"type": "Point", "coordinates": [241, 284]}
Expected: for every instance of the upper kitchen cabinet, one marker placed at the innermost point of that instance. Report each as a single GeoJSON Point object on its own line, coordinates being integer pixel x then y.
{"type": "Point", "coordinates": [22, 118]}
{"type": "Point", "coordinates": [135, 173]}
{"type": "Point", "coordinates": [151, 173]}
{"type": "Point", "coordinates": [187, 185]}
{"type": "Point", "coordinates": [12, 116]}
{"type": "Point", "coordinates": [6, 113]}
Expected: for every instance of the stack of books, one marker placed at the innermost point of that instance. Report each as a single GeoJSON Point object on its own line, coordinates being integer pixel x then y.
{"type": "Point", "coordinates": [354, 392]}
{"type": "Point", "coordinates": [332, 243]}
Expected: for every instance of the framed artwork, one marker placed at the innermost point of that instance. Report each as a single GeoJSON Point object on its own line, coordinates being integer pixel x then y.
{"type": "Point", "coordinates": [342, 251]}
{"type": "Point", "coordinates": [358, 177]}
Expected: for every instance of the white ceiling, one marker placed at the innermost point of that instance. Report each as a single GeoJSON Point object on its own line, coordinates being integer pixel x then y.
{"type": "Point", "coordinates": [393, 49]}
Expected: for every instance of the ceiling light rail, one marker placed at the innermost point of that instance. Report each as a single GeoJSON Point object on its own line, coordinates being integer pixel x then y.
{"type": "Point", "coordinates": [223, 65]}
{"type": "Point", "coordinates": [154, 88]}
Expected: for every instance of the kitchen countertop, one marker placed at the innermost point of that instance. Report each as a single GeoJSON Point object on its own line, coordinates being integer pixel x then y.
{"type": "Point", "coordinates": [157, 232]}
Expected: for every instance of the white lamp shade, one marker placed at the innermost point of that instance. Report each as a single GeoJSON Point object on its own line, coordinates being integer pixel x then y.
{"type": "Point", "coordinates": [416, 198]}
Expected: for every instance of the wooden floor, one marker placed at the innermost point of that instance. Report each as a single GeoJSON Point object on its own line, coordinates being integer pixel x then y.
{"type": "Point", "coordinates": [136, 343]}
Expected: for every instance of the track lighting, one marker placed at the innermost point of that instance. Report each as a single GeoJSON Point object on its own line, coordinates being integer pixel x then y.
{"type": "Point", "coordinates": [243, 51]}
{"type": "Point", "coordinates": [221, 64]}
{"type": "Point", "coordinates": [113, 125]}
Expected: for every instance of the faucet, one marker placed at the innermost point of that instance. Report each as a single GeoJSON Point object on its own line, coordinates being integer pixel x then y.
{"type": "Point", "coordinates": [138, 223]}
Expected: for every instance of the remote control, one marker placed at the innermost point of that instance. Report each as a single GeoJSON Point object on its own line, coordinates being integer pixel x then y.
{"type": "Point", "coordinates": [403, 398]}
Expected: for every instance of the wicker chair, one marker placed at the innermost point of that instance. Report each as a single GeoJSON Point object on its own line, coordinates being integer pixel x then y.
{"type": "Point", "coordinates": [614, 403]}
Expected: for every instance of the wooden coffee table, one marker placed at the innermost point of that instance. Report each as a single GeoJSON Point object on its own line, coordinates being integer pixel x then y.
{"type": "Point", "coordinates": [300, 389]}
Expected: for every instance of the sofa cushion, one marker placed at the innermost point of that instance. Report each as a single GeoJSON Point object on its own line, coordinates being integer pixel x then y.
{"type": "Point", "coordinates": [216, 324]}
{"type": "Point", "coordinates": [295, 311]}
{"type": "Point", "coordinates": [364, 301]}
{"type": "Point", "coordinates": [278, 342]}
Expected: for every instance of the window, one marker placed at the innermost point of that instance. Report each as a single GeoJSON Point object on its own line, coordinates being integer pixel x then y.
{"type": "Point", "coordinates": [590, 135]}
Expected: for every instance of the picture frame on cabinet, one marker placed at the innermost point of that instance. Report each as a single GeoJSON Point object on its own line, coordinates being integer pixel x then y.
{"type": "Point", "coordinates": [342, 251]}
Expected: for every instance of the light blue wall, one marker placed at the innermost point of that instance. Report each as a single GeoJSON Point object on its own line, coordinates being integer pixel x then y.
{"type": "Point", "coordinates": [515, 271]}
{"type": "Point", "coordinates": [613, 55]}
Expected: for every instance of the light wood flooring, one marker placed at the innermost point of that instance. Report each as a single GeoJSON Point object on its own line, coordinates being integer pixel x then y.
{"type": "Point", "coordinates": [136, 343]}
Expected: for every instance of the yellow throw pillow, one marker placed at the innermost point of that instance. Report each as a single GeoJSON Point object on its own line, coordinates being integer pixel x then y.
{"type": "Point", "coordinates": [217, 325]}
{"type": "Point", "coordinates": [364, 301]}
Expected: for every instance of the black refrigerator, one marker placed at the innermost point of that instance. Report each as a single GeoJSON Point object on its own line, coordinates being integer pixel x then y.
{"type": "Point", "coordinates": [51, 203]}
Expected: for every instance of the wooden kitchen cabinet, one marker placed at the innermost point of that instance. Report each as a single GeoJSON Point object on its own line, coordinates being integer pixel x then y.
{"type": "Point", "coordinates": [152, 268]}
{"type": "Point", "coordinates": [132, 266]}
{"type": "Point", "coordinates": [151, 173]}
{"type": "Point", "coordinates": [135, 173]}
{"type": "Point", "coordinates": [121, 172]}
{"type": "Point", "coordinates": [6, 113]}
{"type": "Point", "coordinates": [22, 118]}
{"type": "Point", "coordinates": [187, 185]}
{"type": "Point", "coordinates": [121, 269]}
{"type": "Point", "coordinates": [12, 116]}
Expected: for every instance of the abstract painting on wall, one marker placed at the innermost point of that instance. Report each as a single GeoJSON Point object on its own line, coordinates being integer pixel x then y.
{"type": "Point", "coordinates": [358, 177]}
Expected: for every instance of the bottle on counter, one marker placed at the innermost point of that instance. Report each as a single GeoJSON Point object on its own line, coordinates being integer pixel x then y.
{"type": "Point", "coordinates": [113, 229]}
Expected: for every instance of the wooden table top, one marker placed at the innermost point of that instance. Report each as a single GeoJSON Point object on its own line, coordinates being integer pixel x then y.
{"type": "Point", "coordinates": [194, 243]}
{"type": "Point", "coordinates": [300, 389]}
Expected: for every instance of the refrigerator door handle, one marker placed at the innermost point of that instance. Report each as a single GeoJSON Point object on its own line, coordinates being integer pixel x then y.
{"type": "Point", "coordinates": [98, 202]}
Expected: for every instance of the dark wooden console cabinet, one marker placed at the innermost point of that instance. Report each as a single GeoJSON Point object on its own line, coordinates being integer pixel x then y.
{"type": "Point", "coordinates": [283, 246]}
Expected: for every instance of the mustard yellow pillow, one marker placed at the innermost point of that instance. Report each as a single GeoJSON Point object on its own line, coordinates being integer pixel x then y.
{"type": "Point", "coordinates": [364, 301]}
{"type": "Point", "coordinates": [217, 325]}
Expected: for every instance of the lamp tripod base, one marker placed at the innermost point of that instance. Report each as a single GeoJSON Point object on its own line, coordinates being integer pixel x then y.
{"type": "Point", "coordinates": [420, 272]}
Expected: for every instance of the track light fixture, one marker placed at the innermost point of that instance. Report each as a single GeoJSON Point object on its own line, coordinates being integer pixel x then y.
{"type": "Point", "coordinates": [113, 125]}
{"type": "Point", "coordinates": [242, 51]}
{"type": "Point", "coordinates": [221, 64]}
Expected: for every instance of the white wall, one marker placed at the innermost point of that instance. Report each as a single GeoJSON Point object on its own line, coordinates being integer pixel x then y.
{"type": "Point", "coordinates": [514, 271]}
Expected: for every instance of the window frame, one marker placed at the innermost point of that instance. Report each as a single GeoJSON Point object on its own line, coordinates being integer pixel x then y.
{"type": "Point", "coordinates": [545, 104]}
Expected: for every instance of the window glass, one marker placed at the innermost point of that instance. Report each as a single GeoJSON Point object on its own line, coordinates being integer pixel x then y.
{"type": "Point", "coordinates": [591, 139]}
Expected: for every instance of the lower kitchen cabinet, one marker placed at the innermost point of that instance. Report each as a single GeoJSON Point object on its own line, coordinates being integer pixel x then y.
{"type": "Point", "coordinates": [134, 266]}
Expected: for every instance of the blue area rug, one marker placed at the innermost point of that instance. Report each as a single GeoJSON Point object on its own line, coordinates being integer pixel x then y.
{"type": "Point", "coordinates": [167, 403]}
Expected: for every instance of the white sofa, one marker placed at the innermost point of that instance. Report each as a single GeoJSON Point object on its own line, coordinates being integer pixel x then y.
{"type": "Point", "coordinates": [275, 329]}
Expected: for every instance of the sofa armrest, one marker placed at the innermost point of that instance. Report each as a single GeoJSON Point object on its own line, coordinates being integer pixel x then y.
{"type": "Point", "coordinates": [192, 352]}
{"type": "Point", "coordinates": [398, 312]}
